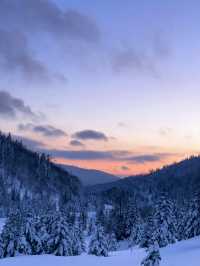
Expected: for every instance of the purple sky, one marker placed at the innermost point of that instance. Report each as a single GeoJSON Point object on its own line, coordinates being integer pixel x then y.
{"type": "Point", "coordinates": [112, 85]}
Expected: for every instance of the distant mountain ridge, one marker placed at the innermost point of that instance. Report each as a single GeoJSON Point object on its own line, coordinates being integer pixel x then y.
{"type": "Point", "coordinates": [90, 177]}
{"type": "Point", "coordinates": [180, 180]}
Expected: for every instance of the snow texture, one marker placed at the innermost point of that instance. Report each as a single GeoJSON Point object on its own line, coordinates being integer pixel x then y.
{"type": "Point", "coordinates": [184, 253]}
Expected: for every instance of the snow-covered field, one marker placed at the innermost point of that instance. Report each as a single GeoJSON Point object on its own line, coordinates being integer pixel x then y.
{"type": "Point", "coordinates": [185, 253]}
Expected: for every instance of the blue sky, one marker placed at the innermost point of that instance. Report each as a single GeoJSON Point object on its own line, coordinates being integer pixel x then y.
{"type": "Point", "coordinates": [127, 69]}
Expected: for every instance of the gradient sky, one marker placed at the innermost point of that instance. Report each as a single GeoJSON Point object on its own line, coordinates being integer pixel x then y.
{"type": "Point", "coordinates": [111, 85]}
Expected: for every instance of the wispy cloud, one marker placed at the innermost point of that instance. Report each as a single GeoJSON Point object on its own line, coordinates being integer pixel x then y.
{"type": "Point", "coordinates": [142, 60]}
{"type": "Point", "coordinates": [117, 155]}
{"type": "Point", "coordinates": [45, 130]}
{"type": "Point", "coordinates": [11, 106]}
{"type": "Point", "coordinates": [16, 56]}
{"type": "Point", "coordinates": [128, 59]}
{"type": "Point", "coordinates": [20, 20]}
{"type": "Point", "coordinates": [46, 16]}
{"type": "Point", "coordinates": [145, 158]}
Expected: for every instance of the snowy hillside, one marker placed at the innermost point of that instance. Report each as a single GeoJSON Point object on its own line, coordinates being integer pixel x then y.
{"type": "Point", "coordinates": [90, 177]}
{"type": "Point", "coordinates": [184, 253]}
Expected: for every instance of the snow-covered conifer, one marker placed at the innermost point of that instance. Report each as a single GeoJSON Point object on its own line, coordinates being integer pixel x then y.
{"type": "Point", "coordinates": [165, 222]}
{"type": "Point", "coordinates": [11, 236]}
{"type": "Point", "coordinates": [78, 241]}
{"type": "Point", "coordinates": [112, 242]}
{"type": "Point", "coordinates": [148, 233]}
{"type": "Point", "coordinates": [32, 237]}
{"type": "Point", "coordinates": [192, 225]}
{"type": "Point", "coordinates": [60, 238]}
{"type": "Point", "coordinates": [153, 257]}
{"type": "Point", "coordinates": [137, 232]}
{"type": "Point", "coordinates": [98, 244]}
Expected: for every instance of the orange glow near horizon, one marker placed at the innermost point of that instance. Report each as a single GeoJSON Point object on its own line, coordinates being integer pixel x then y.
{"type": "Point", "coordinates": [117, 167]}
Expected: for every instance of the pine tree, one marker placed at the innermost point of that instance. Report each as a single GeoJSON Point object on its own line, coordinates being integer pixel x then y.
{"type": "Point", "coordinates": [43, 225]}
{"type": "Point", "coordinates": [153, 257]}
{"type": "Point", "coordinates": [98, 244]}
{"type": "Point", "coordinates": [165, 222]}
{"type": "Point", "coordinates": [78, 242]}
{"type": "Point", "coordinates": [60, 238]}
{"type": "Point", "coordinates": [132, 216]}
{"type": "Point", "coordinates": [137, 232]}
{"type": "Point", "coordinates": [91, 226]}
{"type": "Point", "coordinates": [192, 226]}
{"type": "Point", "coordinates": [1, 248]}
{"type": "Point", "coordinates": [112, 242]}
{"type": "Point", "coordinates": [12, 241]}
{"type": "Point", "coordinates": [183, 218]}
{"type": "Point", "coordinates": [32, 237]}
{"type": "Point", "coordinates": [148, 233]}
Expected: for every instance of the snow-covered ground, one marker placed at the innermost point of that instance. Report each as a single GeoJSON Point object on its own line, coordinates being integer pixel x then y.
{"type": "Point", "coordinates": [185, 253]}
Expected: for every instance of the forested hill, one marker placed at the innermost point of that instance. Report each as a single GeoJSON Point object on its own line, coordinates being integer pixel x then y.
{"type": "Point", "coordinates": [29, 176]}
{"type": "Point", "coordinates": [179, 180]}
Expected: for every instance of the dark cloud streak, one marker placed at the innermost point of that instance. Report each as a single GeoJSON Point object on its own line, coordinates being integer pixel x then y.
{"type": "Point", "coordinates": [90, 135]}
{"type": "Point", "coordinates": [16, 56]}
{"type": "Point", "coordinates": [11, 106]}
{"type": "Point", "coordinates": [45, 130]}
{"type": "Point", "coordinates": [46, 16]}
{"type": "Point", "coordinates": [76, 143]}
{"type": "Point", "coordinates": [123, 156]}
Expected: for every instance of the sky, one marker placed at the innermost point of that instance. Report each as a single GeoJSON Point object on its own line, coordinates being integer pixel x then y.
{"type": "Point", "coordinates": [110, 85]}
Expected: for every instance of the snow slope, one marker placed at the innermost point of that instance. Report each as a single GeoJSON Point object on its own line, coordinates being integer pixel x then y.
{"type": "Point", "coordinates": [185, 253]}
{"type": "Point", "coordinates": [90, 177]}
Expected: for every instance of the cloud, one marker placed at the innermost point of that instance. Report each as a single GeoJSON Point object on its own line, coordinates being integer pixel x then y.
{"type": "Point", "coordinates": [45, 16]}
{"type": "Point", "coordinates": [117, 155]}
{"type": "Point", "coordinates": [76, 143]}
{"type": "Point", "coordinates": [131, 60]}
{"type": "Point", "coordinates": [146, 60]}
{"type": "Point", "coordinates": [90, 135]}
{"type": "Point", "coordinates": [45, 130]}
{"type": "Point", "coordinates": [146, 158]}
{"type": "Point", "coordinates": [82, 154]}
{"type": "Point", "coordinates": [125, 168]}
{"type": "Point", "coordinates": [23, 23]}
{"type": "Point", "coordinates": [11, 106]}
{"type": "Point", "coordinates": [17, 57]}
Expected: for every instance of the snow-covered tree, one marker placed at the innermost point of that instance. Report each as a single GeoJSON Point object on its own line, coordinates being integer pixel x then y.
{"type": "Point", "coordinates": [12, 241]}
{"type": "Point", "coordinates": [132, 216]}
{"type": "Point", "coordinates": [192, 224]}
{"type": "Point", "coordinates": [137, 232]}
{"type": "Point", "coordinates": [31, 236]}
{"type": "Point", "coordinates": [78, 241]}
{"type": "Point", "coordinates": [165, 222]}
{"type": "Point", "coordinates": [60, 238]}
{"type": "Point", "coordinates": [148, 233]}
{"type": "Point", "coordinates": [112, 242]}
{"type": "Point", "coordinates": [98, 244]}
{"type": "Point", "coordinates": [91, 225]}
{"type": "Point", "coordinates": [153, 257]}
